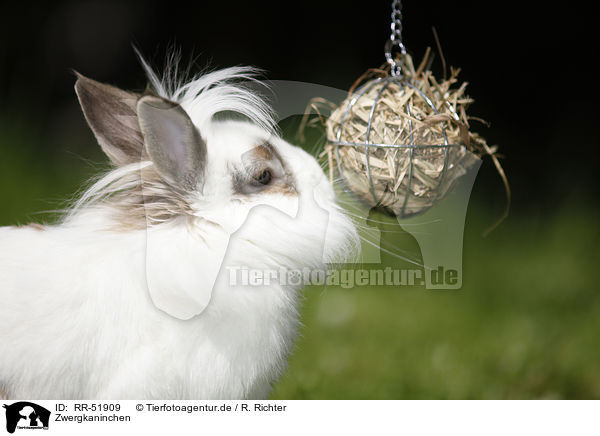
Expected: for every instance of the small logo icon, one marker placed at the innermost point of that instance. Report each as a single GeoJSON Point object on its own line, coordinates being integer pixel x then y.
{"type": "Point", "coordinates": [26, 415]}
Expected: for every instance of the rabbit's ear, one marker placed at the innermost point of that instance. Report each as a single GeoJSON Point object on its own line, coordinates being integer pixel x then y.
{"type": "Point", "coordinates": [111, 114]}
{"type": "Point", "coordinates": [172, 141]}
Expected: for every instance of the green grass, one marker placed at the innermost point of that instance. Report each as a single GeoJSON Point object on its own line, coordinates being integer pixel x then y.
{"type": "Point", "coordinates": [525, 324]}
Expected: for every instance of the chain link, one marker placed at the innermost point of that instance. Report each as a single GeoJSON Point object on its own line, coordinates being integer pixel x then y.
{"type": "Point", "coordinates": [395, 41]}
{"type": "Point", "coordinates": [396, 21]}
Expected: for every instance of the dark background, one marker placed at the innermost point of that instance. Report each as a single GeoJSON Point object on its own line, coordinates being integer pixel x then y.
{"type": "Point", "coordinates": [526, 322]}
{"type": "Point", "coordinates": [528, 65]}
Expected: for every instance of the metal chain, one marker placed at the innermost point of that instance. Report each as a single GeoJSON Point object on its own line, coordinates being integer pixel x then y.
{"type": "Point", "coordinates": [396, 21]}
{"type": "Point", "coordinates": [395, 40]}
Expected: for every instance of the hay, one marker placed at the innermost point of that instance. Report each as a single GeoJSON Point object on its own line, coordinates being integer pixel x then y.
{"type": "Point", "coordinates": [404, 181]}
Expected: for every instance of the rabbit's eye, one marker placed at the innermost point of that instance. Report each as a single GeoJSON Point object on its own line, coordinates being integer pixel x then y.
{"type": "Point", "coordinates": [265, 177]}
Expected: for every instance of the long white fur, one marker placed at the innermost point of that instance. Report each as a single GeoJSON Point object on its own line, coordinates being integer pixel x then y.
{"type": "Point", "coordinates": [76, 318]}
{"type": "Point", "coordinates": [205, 95]}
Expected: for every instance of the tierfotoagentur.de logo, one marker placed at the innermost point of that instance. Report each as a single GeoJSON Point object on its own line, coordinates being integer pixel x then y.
{"type": "Point", "coordinates": [24, 415]}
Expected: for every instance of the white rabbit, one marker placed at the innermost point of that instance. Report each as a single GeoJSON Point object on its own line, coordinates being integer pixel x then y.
{"type": "Point", "coordinates": [130, 296]}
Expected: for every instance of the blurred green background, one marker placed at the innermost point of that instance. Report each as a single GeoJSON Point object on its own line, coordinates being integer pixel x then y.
{"type": "Point", "coordinates": [526, 323]}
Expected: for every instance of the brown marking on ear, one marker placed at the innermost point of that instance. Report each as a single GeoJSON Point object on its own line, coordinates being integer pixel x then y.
{"type": "Point", "coordinates": [263, 151]}
{"type": "Point", "coordinates": [111, 114]}
{"type": "Point", "coordinates": [3, 394]}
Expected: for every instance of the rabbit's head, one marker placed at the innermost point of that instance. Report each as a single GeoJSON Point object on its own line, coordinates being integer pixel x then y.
{"type": "Point", "coordinates": [205, 188]}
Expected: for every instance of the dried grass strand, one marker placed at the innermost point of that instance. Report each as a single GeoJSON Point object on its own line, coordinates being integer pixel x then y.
{"type": "Point", "coordinates": [406, 181]}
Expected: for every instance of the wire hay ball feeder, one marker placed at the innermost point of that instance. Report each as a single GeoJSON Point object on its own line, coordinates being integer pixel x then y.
{"type": "Point", "coordinates": [400, 140]}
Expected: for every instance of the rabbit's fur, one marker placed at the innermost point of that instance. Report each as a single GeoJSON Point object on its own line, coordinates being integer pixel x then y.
{"type": "Point", "coordinates": [117, 301]}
